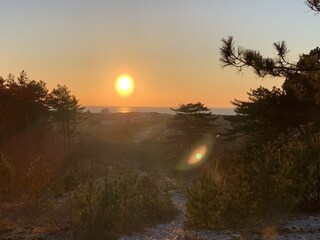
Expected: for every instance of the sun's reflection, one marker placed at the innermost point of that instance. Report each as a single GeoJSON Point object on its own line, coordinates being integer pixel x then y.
{"type": "Point", "coordinates": [124, 109]}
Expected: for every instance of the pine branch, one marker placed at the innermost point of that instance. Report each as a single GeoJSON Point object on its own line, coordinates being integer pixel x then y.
{"type": "Point", "coordinates": [276, 67]}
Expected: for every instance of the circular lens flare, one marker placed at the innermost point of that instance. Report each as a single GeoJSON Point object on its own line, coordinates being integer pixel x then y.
{"type": "Point", "coordinates": [124, 85]}
{"type": "Point", "coordinates": [197, 156]}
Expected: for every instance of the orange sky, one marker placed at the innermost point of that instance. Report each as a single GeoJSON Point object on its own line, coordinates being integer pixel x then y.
{"type": "Point", "coordinates": [171, 48]}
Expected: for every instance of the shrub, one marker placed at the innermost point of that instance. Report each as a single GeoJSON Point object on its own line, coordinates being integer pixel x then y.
{"type": "Point", "coordinates": [85, 201]}
{"type": "Point", "coordinates": [109, 214]}
{"type": "Point", "coordinates": [37, 177]}
{"type": "Point", "coordinates": [263, 186]}
{"type": "Point", "coordinates": [266, 183]}
{"type": "Point", "coordinates": [122, 204]}
{"type": "Point", "coordinates": [202, 202]}
{"type": "Point", "coordinates": [6, 174]}
{"type": "Point", "coordinates": [56, 187]}
{"type": "Point", "coordinates": [70, 179]}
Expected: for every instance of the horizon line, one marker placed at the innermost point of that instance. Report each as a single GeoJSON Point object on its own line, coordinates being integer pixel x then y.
{"type": "Point", "coordinates": [146, 106]}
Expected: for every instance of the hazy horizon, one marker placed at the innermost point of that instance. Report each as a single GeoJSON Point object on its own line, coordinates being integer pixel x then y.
{"type": "Point", "coordinates": [162, 109]}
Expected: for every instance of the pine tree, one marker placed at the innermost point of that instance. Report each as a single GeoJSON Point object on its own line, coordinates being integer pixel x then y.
{"type": "Point", "coordinates": [190, 123]}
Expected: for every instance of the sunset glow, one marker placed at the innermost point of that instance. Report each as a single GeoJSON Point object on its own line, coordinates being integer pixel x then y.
{"type": "Point", "coordinates": [173, 57]}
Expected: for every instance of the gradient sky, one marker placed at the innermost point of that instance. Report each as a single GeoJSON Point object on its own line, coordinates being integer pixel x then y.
{"type": "Point", "coordinates": [170, 47]}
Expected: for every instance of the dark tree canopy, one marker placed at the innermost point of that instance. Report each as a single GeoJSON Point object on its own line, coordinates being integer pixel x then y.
{"type": "Point", "coordinates": [29, 114]}
{"type": "Point", "coordinates": [22, 104]}
{"type": "Point", "coordinates": [282, 113]}
{"type": "Point", "coordinates": [268, 115]}
{"type": "Point", "coordinates": [65, 109]}
{"type": "Point", "coordinates": [191, 121]}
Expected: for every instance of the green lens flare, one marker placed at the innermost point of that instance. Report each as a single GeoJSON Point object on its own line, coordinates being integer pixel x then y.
{"type": "Point", "coordinates": [196, 156]}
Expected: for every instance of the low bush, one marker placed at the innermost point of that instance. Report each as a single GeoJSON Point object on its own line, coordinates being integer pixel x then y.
{"type": "Point", "coordinates": [7, 173]}
{"type": "Point", "coordinates": [125, 203]}
{"type": "Point", "coordinates": [265, 184]}
{"type": "Point", "coordinates": [38, 176]}
{"type": "Point", "coordinates": [202, 206]}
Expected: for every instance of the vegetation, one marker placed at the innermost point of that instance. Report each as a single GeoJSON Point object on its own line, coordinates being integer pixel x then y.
{"type": "Point", "coordinates": [189, 124]}
{"type": "Point", "coordinates": [23, 109]}
{"type": "Point", "coordinates": [203, 206]}
{"type": "Point", "coordinates": [65, 109]}
{"type": "Point", "coordinates": [37, 177]}
{"type": "Point", "coordinates": [87, 190]}
{"type": "Point", "coordinates": [113, 206]}
{"type": "Point", "coordinates": [279, 163]}
{"type": "Point", "coordinates": [264, 186]}
{"type": "Point", "coordinates": [280, 114]}
{"type": "Point", "coordinates": [7, 172]}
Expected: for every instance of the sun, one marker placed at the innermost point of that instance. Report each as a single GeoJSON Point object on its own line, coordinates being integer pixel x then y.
{"type": "Point", "coordinates": [124, 85]}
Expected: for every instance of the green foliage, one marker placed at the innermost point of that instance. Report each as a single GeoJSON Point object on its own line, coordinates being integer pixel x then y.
{"type": "Point", "coordinates": [202, 206]}
{"type": "Point", "coordinates": [109, 207]}
{"type": "Point", "coordinates": [38, 176]}
{"type": "Point", "coordinates": [265, 185]}
{"type": "Point", "coordinates": [86, 201]}
{"type": "Point", "coordinates": [79, 173]}
{"type": "Point", "coordinates": [7, 172]}
{"type": "Point", "coordinates": [62, 183]}
{"type": "Point", "coordinates": [122, 204]}
{"type": "Point", "coordinates": [70, 179]}
{"type": "Point", "coordinates": [55, 187]}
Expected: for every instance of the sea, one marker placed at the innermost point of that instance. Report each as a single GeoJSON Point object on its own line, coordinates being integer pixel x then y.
{"type": "Point", "coordinates": [167, 110]}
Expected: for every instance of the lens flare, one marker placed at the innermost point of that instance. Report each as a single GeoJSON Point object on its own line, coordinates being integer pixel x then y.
{"type": "Point", "coordinates": [197, 156]}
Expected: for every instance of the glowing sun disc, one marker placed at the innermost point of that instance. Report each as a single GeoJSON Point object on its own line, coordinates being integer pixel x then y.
{"type": "Point", "coordinates": [124, 85]}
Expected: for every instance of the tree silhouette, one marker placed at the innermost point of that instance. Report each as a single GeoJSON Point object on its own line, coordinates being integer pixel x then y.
{"type": "Point", "coordinates": [282, 113]}
{"type": "Point", "coordinates": [65, 109]}
{"type": "Point", "coordinates": [190, 122]}
{"type": "Point", "coordinates": [278, 66]}
{"type": "Point", "coordinates": [22, 105]}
